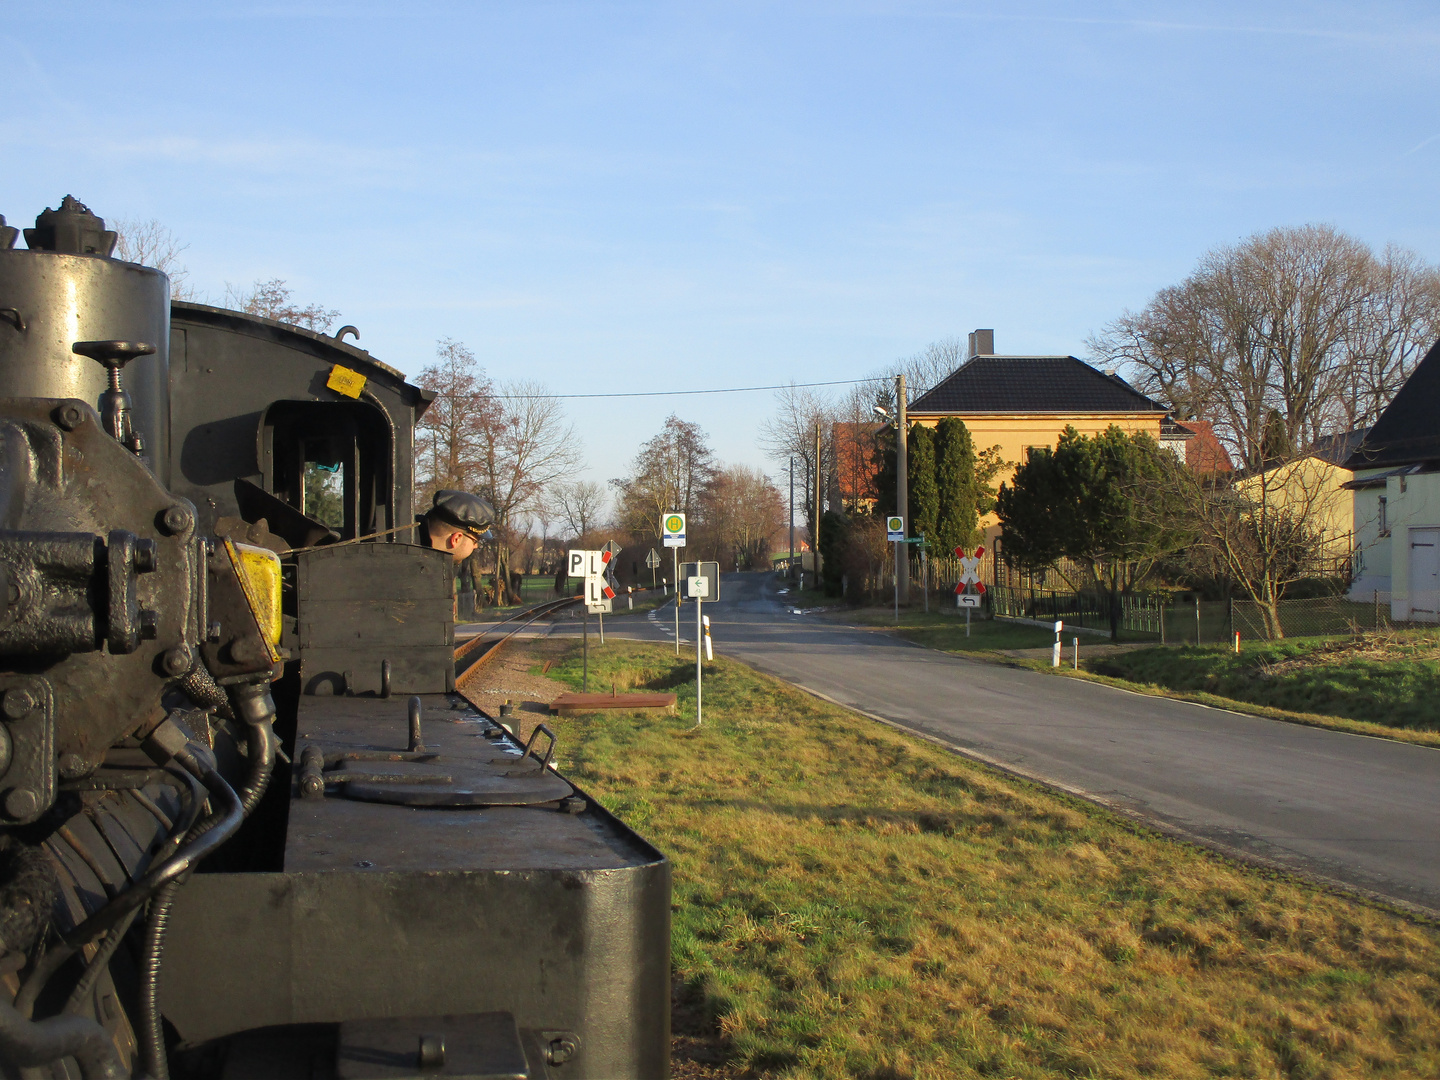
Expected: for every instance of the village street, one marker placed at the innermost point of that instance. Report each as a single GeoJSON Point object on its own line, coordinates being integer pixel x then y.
{"type": "Point", "coordinates": [1361, 811]}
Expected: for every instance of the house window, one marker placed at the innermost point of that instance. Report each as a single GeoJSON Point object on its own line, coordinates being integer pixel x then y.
{"type": "Point", "coordinates": [1031, 451]}
{"type": "Point", "coordinates": [1384, 524]}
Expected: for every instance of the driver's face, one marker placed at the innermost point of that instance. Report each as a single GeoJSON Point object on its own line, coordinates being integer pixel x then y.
{"type": "Point", "coordinates": [462, 546]}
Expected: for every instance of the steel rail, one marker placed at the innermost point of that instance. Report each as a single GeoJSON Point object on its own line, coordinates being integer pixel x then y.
{"type": "Point", "coordinates": [479, 650]}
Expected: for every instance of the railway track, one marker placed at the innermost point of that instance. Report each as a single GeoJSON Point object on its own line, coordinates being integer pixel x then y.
{"type": "Point", "coordinates": [471, 656]}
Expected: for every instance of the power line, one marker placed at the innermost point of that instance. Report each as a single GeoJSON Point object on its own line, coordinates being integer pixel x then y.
{"type": "Point", "coordinates": [680, 393]}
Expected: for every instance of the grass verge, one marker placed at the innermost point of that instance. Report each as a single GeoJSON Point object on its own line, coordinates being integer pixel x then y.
{"type": "Point", "coordinates": [1390, 678]}
{"type": "Point", "coordinates": [851, 901]}
{"type": "Point", "coordinates": [1381, 684]}
{"type": "Point", "coordinates": [1375, 684]}
{"type": "Point", "coordinates": [946, 631]}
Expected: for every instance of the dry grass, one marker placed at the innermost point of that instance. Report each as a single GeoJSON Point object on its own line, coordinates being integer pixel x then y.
{"type": "Point", "coordinates": [854, 902]}
{"type": "Point", "coordinates": [1379, 646]}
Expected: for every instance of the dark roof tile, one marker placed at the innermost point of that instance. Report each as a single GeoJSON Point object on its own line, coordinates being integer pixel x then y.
{"type": "Point", "coordinates": [1031, 384]}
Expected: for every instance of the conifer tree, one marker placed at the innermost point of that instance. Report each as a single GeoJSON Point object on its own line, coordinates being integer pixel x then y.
{"type": "Point", "coordinates": [958, 491]}
{"type": "Point", "coordinates": [920, 477]}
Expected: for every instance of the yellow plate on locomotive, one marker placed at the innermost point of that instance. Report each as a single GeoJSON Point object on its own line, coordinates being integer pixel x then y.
{"type": "Point", "coordinates": [259, 572]}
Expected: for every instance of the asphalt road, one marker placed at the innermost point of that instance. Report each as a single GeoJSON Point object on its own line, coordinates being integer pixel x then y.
{"type": "Point", "coordinates": [1359, 811]}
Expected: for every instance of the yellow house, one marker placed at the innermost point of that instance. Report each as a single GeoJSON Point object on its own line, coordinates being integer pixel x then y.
{"type": "Point", "coordinates": [1315, 488]}
{"type": "Point", "coordinates": [1021, 403]}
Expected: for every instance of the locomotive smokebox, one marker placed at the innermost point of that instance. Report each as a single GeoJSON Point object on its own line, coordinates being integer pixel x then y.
{"type": "Point", "coordinates": [66, 288]}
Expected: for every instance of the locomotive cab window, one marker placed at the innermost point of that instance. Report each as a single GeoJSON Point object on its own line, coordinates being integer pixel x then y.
{"type": "Point", "coordinates": [332, 461]}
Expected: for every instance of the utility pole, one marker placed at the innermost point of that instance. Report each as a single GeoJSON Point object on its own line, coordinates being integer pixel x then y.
{"type": "Point", "coordinates": [902, 492]}
{"type": "Point", "coordinates": [818, 474]}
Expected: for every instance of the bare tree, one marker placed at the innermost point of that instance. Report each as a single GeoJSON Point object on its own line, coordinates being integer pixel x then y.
{"type": "Point", "coordinates": [150, 243]}
{"type": "Point", "coordinates": [274, 299]}
{"type": "Point", "coordinates": [1265, 532]}
{"type": "Point", "coordinates": [450, 447]}
{"type": "Point", "coordinates": [580, 506]}
{"type": "Point", "coordinates": [932, 365]}
{"type": "Point", "coordinates": [743, 511]}
{"type": "Point", "coordinates": [671, 472]}
{"type": "Point", "coordinates": [789, 432]}
{"type": "Point", "coordinates": [1397, 326]}
{"type": "Point", "coordinates": [526, 446]}
{"type": "Point", "coordinates": [1290, 335]}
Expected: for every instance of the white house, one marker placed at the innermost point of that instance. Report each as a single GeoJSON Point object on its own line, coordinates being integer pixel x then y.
{"type": "Point", "coordinates": [1397, 500]}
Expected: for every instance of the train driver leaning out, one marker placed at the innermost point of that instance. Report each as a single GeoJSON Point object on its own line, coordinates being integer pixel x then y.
{"type": "Point", "coordinates": [457, 523]}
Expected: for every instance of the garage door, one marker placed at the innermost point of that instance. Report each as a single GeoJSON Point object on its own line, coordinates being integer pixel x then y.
{"type": "Point", "coordinates": [1425, 574]}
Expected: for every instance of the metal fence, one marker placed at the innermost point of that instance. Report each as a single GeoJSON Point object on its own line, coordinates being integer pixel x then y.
{"type": "Point", "coordinates": [1139, 613]}
{"type": "Point", "coordinates": [1331, 615]}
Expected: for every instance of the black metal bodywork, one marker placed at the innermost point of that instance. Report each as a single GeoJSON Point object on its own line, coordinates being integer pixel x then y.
{"type": "Point", "coordinates": [217, 863]}
{"type": "Point", "coordinates": [553, 912]}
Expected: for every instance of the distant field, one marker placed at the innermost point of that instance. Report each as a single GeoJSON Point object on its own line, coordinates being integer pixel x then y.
{"type": "Point", "coordinates": [851, 901]}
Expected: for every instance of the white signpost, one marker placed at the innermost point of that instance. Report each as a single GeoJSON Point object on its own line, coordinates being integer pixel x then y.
{"type": "Point", "coordinates": [701, 583]}
{"type": "Point", "coordinates": [672, 532]}
{"type": "Point", "coordinates": [969, 576]}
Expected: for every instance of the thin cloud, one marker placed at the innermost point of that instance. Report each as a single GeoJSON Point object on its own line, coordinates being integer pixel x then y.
{"type": "Point", "coordinates": [1420, 145]}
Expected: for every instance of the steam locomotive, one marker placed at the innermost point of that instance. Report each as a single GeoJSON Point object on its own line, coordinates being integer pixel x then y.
{"type": "Point", "coordinates": [247, 827]}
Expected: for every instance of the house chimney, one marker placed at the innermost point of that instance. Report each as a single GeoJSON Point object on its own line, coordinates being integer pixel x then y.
{"type": "Point", "coordinates": [982, 343]}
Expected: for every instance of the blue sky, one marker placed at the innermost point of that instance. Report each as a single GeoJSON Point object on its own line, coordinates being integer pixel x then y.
{"type": "Point", "coordinates": [676, 196]}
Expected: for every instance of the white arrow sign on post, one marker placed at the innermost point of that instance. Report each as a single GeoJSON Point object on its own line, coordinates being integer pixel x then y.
{"type": "Point", "coordinates": [969, 576]}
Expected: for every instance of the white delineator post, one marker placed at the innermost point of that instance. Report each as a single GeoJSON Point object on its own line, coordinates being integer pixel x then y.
{"type": "Point", "coordinates": [1077, 653]}
{"type": "Point", "coordinates": [1055, 653]}
{"type": "Point", "coordinates": [699, 673]}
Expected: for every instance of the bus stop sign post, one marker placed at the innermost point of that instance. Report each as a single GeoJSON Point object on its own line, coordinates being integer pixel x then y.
{"type": "Point", "coordinates": [672, 532]}
{"type": "Point", "coordinates": [895, 533]}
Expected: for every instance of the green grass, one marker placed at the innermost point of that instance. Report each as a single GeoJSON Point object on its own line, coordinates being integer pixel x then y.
{"type": "Point", "coordinates": [851, 901]}
{"type": "Point", "coordinates": [1390, 679]}
{"type": "Point", "coordinates": [946, 631]}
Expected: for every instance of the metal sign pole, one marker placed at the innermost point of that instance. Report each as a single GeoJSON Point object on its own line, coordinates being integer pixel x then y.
{"type": "Point", "coordinates": [897, 581]}
{"type": "Point", "coordinates": [601, 616]}
{"type": "Point", "coordinates": [699, 647]}
{"type": "Point", "coordinates": [676, 553]}
{"type": "Point", "coordinates": [585, 651]}
{"type": "Point", "coordinates": [925, 577]}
